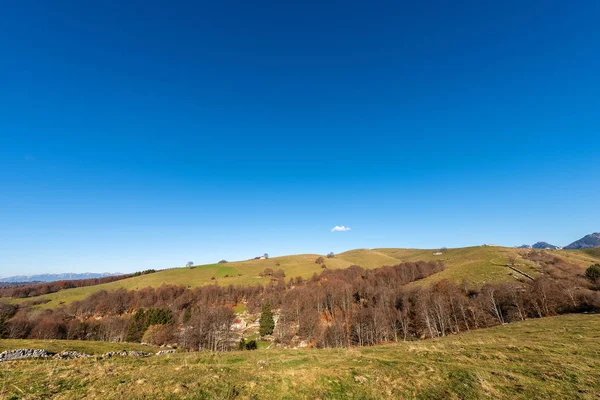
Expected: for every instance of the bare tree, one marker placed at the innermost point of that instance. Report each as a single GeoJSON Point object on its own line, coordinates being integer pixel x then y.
{"type": "Point", "coordinates": [333, 308]}
{"type": "Point", "coordinates": [490, 295]}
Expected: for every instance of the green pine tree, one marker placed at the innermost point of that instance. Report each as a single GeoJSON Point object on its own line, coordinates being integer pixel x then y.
{"type": "Point", "coordinates": [158, 316]}
{"type": "Point", "coordinates": [187, 315]}
{"type": "Point", "coordinates": [137, 327]}
{"type": "Point", "coordinates": [267, 324]}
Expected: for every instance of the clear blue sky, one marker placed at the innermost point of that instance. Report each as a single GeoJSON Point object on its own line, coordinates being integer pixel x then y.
{"type": "Point", "coordinates": [149, 134]}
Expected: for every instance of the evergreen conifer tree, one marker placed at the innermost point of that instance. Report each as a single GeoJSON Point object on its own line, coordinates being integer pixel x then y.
{"type": "Point", "coordinates": [267, 324]}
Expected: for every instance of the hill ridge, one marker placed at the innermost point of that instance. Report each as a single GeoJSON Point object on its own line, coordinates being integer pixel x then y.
{"type": "Point", "coordinates": [476, 264]}
{"type": "Point", "coordinates": [587, 242]}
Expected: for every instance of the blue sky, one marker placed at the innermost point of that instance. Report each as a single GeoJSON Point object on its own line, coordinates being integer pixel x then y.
{"type": "Point", "coordinates": [149, 134]}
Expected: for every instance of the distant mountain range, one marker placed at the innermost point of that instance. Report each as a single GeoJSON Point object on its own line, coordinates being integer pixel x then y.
{"type": "Point", "coordinates": [4, 285]}
{"type": "Point", "coordinates": [539, 245]}
{"type": "Point", "coordinates": [56, 277]}
{"type": "Point", "coordinates": [586, 242]}
{"type": "Point", "coordinates": [544, 245]}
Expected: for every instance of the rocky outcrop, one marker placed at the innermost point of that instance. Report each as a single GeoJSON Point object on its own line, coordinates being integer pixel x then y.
{"type": "Point", "coordinates": [124, 353]}
{"type": "Point", "coordinates": [70, 355]}
{"type": "Point", "coordinates": [20, 354]}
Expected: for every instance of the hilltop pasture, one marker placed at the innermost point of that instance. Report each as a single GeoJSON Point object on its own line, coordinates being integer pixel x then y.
{"type": "Point", "coordinates": [477, 265]}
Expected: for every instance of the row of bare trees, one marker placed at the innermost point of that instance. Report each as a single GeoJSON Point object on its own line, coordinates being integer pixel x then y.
{"type": "Point", "coordinates": [346, 317]}
{"type": "Point", "coordinates": [337, 308]}
{"type": "Point", "coordinates": [209, 330]}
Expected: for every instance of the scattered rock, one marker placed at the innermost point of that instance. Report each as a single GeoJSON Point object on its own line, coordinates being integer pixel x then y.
{"type": "Point", "coordinates": [360, 379]}
{"type": "Point", "coordinates": [111, 354]}
{"type": "Point", "coordinates": [162, 352]}
{"type": "Point", "coordinates": [21, 354]}
{"type": "Point", "coordinates": [24, 353]}
{"type": "Point", "coordinates": [180, 388]}
{"type": "Point", "coordinates": [139, 354]}
{"type": "Point", "coordinates": [124, 353]}
{"type": "Point", "coordinates": [70, 355]}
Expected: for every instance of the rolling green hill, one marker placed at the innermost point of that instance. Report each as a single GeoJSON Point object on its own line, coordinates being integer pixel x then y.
{"type": "Point", "coordinates": [481, 264]}
{"type": "Point", "coordinates": [478, 264]}
{"type": "Point", "coordinates": [594, 252]}
{"type": "Point", "coordinates": [544, 358]}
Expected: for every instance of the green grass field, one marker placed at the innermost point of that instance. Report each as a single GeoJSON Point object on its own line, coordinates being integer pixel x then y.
{"type": "Point", "coordinates": [478, 265]}
{"type": "Point", "coordinates": [595, 252]}
{"type": "Point", "coordinates": [555, 357]}
{"type": "Point", "coordinates": [582, 258]}
{"type": "Point", "coordinates": [481, 264]}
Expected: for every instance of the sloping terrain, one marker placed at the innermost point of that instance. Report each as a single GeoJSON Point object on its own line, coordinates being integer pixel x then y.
{"type": "Point", "coordinates": [583, 258]}
{"type": "Point", "coordinates": [480, 264]}
{"type": "Point", "coordinates": [232, 273]}
{"type": "Point", "coordinates": [595, 253]}
{"type": "Point", "coordinates": [545, 358]}
{"type": "Point", "coordinates": [588, 241]}
{"type": "Point", "coordinates": [367, 258]}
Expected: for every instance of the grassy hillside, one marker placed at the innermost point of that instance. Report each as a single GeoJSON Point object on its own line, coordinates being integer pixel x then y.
{"type": "Point", "coordinates": [583, 258]}
{"type": "Point", "coordinates": [545, 358]}
{"type": "Point", "coordinates": [594, 253]}
{"type": "Point", "coordinates": [479, 264]}
{"type": "Point", "coordinates": [234, 273]}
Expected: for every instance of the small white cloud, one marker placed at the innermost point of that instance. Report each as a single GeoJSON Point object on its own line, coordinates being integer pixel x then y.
{"type": "Point", "coordinates": [340, 228]}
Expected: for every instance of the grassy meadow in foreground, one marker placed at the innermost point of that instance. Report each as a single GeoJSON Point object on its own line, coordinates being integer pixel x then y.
{"type": "Point", "coordinates": [555, 357]}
